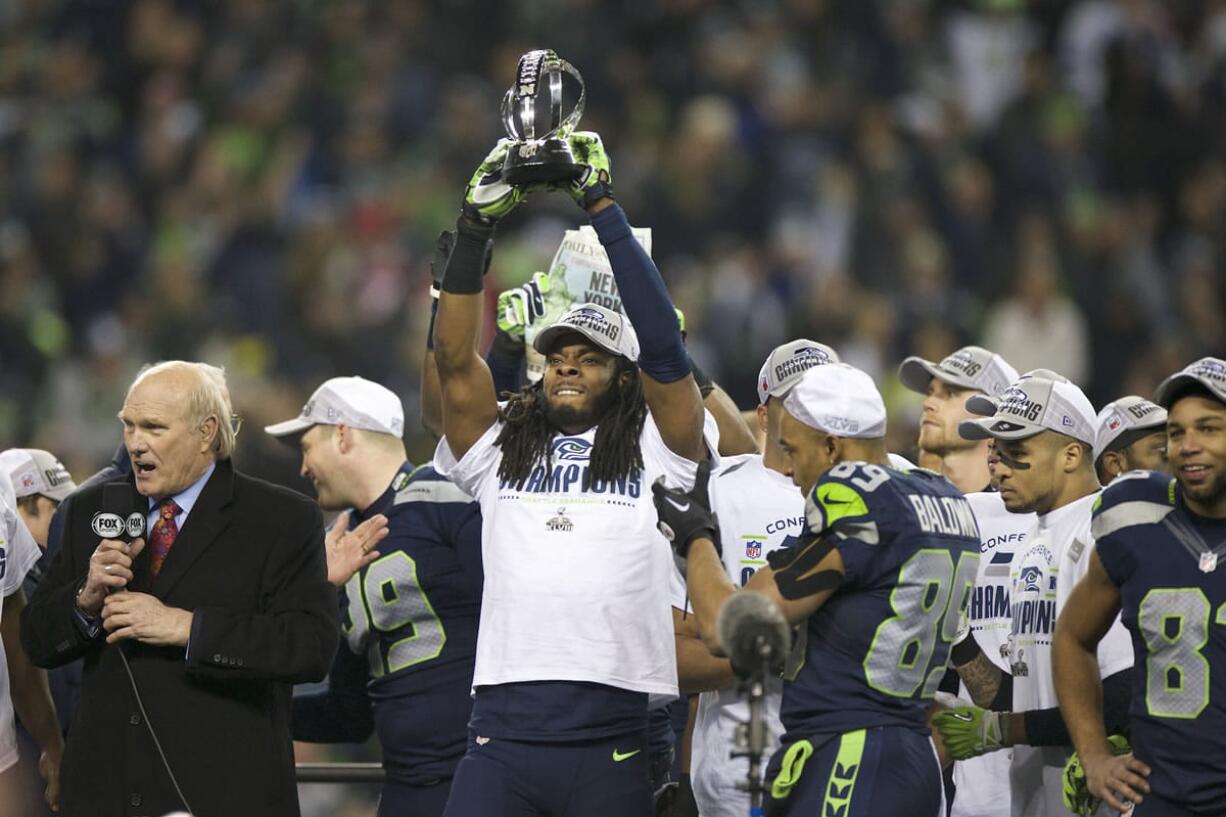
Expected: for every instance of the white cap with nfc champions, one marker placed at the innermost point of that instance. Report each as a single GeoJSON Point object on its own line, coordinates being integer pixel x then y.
{"type": "Point", "coordinates": [352, 401]}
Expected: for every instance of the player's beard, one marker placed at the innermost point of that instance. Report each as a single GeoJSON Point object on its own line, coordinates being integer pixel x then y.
{"type": "Point", "coordinates": [1209, 494]}
{"type": "Point", "coordinates": [568, 416]}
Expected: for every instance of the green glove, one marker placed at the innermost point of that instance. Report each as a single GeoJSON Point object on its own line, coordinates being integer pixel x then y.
{"type": "Point", "coordinates": [487, 197]}
{"type": "Point", "coordinates": [596, 181]}
{"type": "Point", "coordinates": [1076, 790]}
{"type": "Point", "coordinates": [970, 731]}
{"type": "Point", "coordinates": [522, 306]}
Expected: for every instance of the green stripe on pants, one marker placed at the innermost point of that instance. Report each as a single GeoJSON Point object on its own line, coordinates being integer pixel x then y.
{"type": "Point", "coordinates": [842, 780]}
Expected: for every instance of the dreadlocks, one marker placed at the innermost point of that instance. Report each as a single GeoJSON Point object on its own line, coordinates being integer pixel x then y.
{"type": "Point", "coordinates": [527, 437]}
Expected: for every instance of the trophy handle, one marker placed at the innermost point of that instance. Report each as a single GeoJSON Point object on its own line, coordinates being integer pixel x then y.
{"type": "Point", "coordinates": [521, 97]}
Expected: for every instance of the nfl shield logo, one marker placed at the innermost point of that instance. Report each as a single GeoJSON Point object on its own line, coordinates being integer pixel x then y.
{"type": "Point", "coordinates": [753, 550]}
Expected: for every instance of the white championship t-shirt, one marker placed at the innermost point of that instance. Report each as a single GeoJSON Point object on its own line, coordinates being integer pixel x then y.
{"type": "Point", "coordinates": [18, 553]}
{"type": "Point", "coordinates": [1045, 568]}
{"type": "Point", "coordinates": [758, 510]}
{"type": "Point", "coordinates": [982, 783]}
{"type": "Point", "coordinates": [576, 581]}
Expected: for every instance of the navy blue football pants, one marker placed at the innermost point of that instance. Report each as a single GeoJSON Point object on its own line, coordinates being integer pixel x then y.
{"type": "Point", "coordinates": [401, 800]}
{"type": "Point", "coordinates": [604, 777]}
{"type": "Point", "coordinates": [879, 772]}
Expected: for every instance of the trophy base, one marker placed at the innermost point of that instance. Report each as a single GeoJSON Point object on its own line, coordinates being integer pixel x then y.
{"type": "Point", "coordinates": [541, 160]}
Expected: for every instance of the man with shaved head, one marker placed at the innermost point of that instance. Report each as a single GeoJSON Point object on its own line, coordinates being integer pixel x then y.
{"type": "Point", "coordinates": [192, 632]}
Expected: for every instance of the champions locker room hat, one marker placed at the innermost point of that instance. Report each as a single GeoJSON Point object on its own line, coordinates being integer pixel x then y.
{"type": "Point", "coordinates": [1209, 372]}
{"type": "Point", "coordinates": [352, 401]}
{"type": "Point", "coordinates": [1033, 404]}
{"type": "Point", "coordinates": [985, 406]}
{"type": "Point", "coordinates": [34, 471]}
{"type": "Point", "coordinates": [786, 364]}
{"type": "Point", "coordinates": [971, 367]}
{"type": "Point", "coordinates": [607, 329]}
{"type": "Point", "coordinates": [1123, 422]}
{"type": "Point", "coordinates": [838, 399]}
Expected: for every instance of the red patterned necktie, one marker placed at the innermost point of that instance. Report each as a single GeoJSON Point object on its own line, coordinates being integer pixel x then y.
{"type": "Point", "coordinates": [163, 535]}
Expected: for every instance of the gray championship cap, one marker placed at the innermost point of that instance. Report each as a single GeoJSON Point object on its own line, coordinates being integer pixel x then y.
{"type": "Point", "coordinates": [971, 367]}
{"type": "Point", "coordinates": [607, 329]}
{"type": "Point", "coordinates": [1124, 421]}
{"type": "Point", "coordinates": [1208, 372]}
{"type": "Point", "coordinates": [352, 401]}
{"type": "Point", "coordinates": [35, 471]}
{"type": "Point", "coordinates": [786, 364]}
{"type": "Point", "coordinates": [838, 399]}
{"type": "Point", "coordinates": [1033, 404]}
{"type": "Point", "coordinates": [985, 406]}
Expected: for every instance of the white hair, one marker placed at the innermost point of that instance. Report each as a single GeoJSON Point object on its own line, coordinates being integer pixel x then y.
{"type": "Point", "coordinates": [210, 397]}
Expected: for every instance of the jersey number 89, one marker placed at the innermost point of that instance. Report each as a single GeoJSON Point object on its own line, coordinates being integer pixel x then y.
{"type": "Point", "coordinates": [385, 599]}
{"type": "Point", "coordinates": [928, 602]}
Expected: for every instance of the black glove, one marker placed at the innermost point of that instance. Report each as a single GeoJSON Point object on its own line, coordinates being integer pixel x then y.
{"type": "Point", "coordinates": [443, 245]}
{"type": "Point", "coordinates": [686, 515]}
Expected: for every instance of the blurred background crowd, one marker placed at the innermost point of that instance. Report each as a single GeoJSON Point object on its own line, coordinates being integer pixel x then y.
{"type": "Point", "coordinates": [258, 183]}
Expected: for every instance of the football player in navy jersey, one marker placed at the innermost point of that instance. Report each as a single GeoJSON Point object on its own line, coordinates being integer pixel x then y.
{"type": "Point", "coordinates": [879, 585]}
{"type": "Point", "coordinates": [1159, 561]}
{"type": "Point", "coordinates": [410, 579]}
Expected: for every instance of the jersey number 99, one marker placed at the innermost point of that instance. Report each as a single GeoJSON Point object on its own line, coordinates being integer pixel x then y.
{"type": "Point", "coordinates": [386, 601]}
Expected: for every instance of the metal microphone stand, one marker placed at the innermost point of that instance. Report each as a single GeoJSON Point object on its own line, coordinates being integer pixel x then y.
{"type": "Point", "coordinates": [751, 735]}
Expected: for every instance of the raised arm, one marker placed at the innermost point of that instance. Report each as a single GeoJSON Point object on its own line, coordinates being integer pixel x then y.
{"type": "Point", "coordinates": [470, 405]}
{"type": "Point", "coordinates": [668, 386]}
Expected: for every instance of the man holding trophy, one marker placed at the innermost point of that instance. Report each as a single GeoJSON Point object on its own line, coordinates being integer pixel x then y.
{"type": "Point", "coordinates": [575, 640]}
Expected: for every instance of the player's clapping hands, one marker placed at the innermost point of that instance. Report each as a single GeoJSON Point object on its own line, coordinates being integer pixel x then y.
{"type": "Point", "coordinates": [351, 550]}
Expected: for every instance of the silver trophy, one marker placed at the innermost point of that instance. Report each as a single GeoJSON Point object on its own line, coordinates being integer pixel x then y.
{"type": "Point", "coordinates": [534, 105]}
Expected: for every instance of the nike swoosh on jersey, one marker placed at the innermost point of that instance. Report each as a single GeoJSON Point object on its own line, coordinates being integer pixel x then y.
{"type": "Point", "coordinates": [677, 505]}
{"type": "Point", "coordinates": [963, 716]}
{"type": "Point", "coordinates": [618, 757]}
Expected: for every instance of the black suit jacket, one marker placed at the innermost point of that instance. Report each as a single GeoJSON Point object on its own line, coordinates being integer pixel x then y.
{"type": "Point", "coordinates": [250, 563]}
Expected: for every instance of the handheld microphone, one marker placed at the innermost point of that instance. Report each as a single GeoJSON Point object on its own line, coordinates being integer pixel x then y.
{"type": "Point", "coordinates": [751, 630]}
{"type": "Point", "coordinates": [119, 517]}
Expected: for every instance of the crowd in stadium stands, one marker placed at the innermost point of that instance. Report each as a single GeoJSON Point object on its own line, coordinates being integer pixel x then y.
{"type": "Point", "coordinates": [258, 184]}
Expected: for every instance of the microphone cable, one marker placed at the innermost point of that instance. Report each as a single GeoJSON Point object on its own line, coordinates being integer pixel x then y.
{"type": "Point", "coordinates": [140, 705]}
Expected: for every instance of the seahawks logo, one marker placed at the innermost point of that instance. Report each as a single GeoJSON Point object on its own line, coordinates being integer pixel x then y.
{"type": "Point", "coordinates": [1030, 579]}
{"type": "Point", "coordinates": [571, 449]}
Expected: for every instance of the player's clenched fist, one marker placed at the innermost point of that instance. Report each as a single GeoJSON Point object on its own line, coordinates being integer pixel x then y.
{"type": "Point", "coordinates": [488, 196]}
{"type": "Point", "coordinates": [686, 515]}
{"type": "Point", "coordinates": [110, 568]}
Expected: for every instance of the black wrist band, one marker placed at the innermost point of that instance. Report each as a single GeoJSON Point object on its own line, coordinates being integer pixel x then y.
{"type": "Point", "coordinates": [430, 328]}
{"type": "Point", "coordinates": [964, 651]}
{"type": "Point", "coordinates": [469, 258]}
{"type": "Point", "coordinates": [705, 384]}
